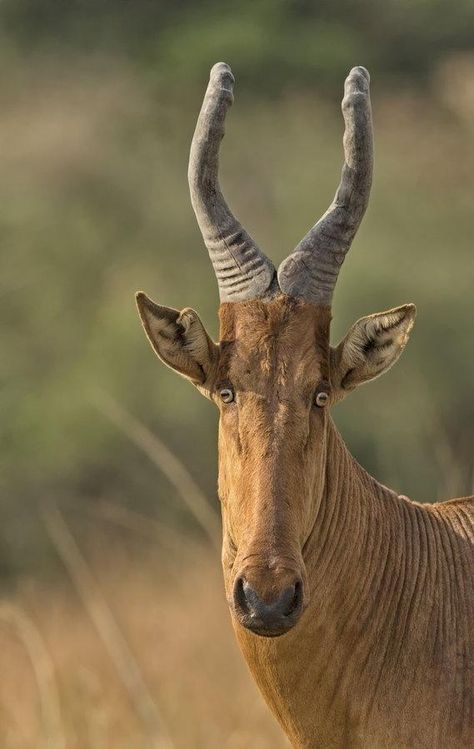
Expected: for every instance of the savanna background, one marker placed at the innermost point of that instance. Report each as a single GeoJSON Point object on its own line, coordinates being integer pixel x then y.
{"type": "Point", "coordinates": [113, 625]}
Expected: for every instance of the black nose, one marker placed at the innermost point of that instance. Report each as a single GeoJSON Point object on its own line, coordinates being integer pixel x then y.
{"type": "Point", "coordinates": [268, 617]}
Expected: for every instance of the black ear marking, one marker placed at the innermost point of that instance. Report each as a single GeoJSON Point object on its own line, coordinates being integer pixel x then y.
{"type": "Point", "coordinates": [372, 346]}
{"type": "Point", "coordinates": [179, 339]}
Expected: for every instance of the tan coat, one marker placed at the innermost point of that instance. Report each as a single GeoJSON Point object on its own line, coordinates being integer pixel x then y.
{"type": "Point", "coordinates": [353, 606]}
{"type": "Point", "coordinates": [382, 654]}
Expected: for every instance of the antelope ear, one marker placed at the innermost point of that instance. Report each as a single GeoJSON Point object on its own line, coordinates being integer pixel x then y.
{"type": "Point", "coordinates": [178, 338]}
{"type": "Point", "coordinates": [371, 347]}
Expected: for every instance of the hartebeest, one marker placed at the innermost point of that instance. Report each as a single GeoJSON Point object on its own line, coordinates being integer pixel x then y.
{"type": "Point", "coordinates": [353, 606]}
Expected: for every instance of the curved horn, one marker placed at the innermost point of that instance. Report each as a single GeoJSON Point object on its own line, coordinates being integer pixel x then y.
{"type": "Point", "coordinates": [311, 271]}
{"type": "Point", "coordinates": [243, 272]}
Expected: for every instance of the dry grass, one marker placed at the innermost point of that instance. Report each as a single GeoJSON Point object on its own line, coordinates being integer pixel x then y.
{"type": "Point", "coordinates": [171, 609]}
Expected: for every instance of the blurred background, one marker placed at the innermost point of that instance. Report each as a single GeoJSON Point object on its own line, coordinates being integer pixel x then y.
{"type": "Point", "coordinates": [113, 625]}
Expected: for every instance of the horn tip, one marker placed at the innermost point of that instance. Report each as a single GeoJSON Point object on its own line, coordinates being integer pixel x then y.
{"type": "Point", "coordinates": [360, 70]}
{"type": "Point", "coordinates": [358, 80]}
{"type": "Point", "coordinates": [221, 73]}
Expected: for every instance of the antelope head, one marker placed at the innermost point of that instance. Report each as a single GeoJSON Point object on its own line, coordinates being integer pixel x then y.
{"type": "Point", "coordinates": [273, 375]}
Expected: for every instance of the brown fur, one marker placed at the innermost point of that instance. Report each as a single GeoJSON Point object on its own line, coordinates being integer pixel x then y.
{"type": "Point", "coordinates": [383, 655]}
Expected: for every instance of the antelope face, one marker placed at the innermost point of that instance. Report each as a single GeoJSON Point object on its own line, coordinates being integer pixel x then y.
{"type": "Point", "coordinates": [272, 370]}
{"type": "Point", "coordinates": [273, 374]}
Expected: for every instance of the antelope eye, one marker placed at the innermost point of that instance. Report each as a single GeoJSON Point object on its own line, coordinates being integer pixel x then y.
{"type": "Point", "coordinates": [322, 399]}
{"type": "Point", "coordinates": [227, 395]}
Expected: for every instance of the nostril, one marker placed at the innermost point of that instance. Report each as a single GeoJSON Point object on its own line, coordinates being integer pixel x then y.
{"type": "Point", "coordinates": [294, 596]}
{"type": "Point", "coordinates": [240, 597]}
{"type": "Point", "coordinates": [249, 601]}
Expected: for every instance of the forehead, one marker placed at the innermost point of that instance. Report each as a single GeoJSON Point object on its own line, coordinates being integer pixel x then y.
{"type": "Point", "coordinates": [283, 337]}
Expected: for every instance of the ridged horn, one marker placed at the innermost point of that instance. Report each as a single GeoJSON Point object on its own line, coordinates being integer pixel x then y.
{"type": "Point", "coordinates": [311, 271]}
{"type": "Point", "coordinates": [243, 272]}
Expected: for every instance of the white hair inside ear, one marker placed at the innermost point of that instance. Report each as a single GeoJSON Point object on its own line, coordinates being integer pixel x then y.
{"type": "Point", "coordinates": [372, 346]}
{"type": "Point", "coordinates": [178, 338]}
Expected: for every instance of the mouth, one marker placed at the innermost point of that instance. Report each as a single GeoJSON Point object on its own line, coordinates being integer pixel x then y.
{"type": "Point", "coordinates": [265, 629]}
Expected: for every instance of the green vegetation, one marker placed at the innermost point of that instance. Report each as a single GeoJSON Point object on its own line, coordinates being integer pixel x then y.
{"type": "Point", "coordinates": [98, 105]}
{"type": "Point", "coordinates": [284, 42]}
